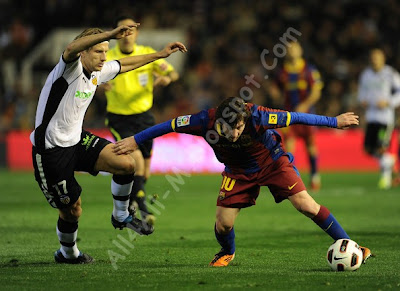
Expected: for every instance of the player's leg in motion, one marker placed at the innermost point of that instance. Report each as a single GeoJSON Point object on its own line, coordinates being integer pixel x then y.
{"type": "Point", "coordinates": [396, 181]}
{"type": "Point", "coordinates": [225, 235]}
{"type": "Point", "coordinates": [138, 193]}
{"type": "Point", "coordinates": [377, 138]}
{"type": "Point", "coordinates": [67, 232]}
{"type": "Point", "coordinates": [121, 186]}
{"type": "Point", "coordinates": [321, 215]}
{"type": "Point", "coordinates": [386, 160]}
{"type": "Point", "coordinates": [123, 168]}
{"type": "Point", "coordinates": [315, 180]}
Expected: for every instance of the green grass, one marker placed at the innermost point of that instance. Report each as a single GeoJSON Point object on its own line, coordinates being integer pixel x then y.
{"type": "Point", "coordinates": [276, 247]}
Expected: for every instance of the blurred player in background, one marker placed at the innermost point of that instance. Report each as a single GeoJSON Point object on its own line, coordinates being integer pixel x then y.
{"type": "Point", "coordinates": [243, 138]}
{"type": "Point", "coordinates": [129, 100]}
{"type": "Point", "coordinates": [379, 94]}
{"type": "Point", "coordinates": [299, 85]}
{"type": "Point", "coordinates": [61, 146]}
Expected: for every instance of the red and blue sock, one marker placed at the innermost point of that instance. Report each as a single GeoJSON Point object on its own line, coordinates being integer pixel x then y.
{"type": "Point", "coordinates": [227, 241]}
{"type": "Point", "coordinates": [325, 220]}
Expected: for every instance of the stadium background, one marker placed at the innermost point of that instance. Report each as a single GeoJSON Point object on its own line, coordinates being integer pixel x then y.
{"type": "Point", "coordinates": [277, 249]}
{"type": "Point", "coordinates": [225, 40]}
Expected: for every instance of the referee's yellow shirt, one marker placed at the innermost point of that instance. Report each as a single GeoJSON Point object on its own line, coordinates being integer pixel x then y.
{"type": "Point", "coordinates": [132, 92]}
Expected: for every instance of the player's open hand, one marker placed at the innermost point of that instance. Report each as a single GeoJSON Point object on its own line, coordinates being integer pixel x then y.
{"type": "Point", "coordinates": [172, 48]}
{"type": "Point", "coordinates": [346, 120]}
{"type": "Point", "coordinates": [123, 31]}
{"type": "Point", "coordinates": [125, 146]}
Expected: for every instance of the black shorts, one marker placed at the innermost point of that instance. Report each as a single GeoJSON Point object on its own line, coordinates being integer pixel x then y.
{"type": "Point", "coordinates": [54, 168]}
{"type": "Point", "coordinates": [377, 136]}
{"type": "Point", "coordinates": [122, 126]}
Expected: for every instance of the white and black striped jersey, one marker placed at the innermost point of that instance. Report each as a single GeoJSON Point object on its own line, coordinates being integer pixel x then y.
{"type": "Point", "coordinates": [63, 102]}
{"type": "Point", "coordinates": [382, 85]}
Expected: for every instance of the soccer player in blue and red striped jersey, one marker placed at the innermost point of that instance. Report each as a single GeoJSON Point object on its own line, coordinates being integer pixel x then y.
{"type": "Point", "coordinates": [300, 87]}
{"type": "Point", "coordinates": [243, 138]}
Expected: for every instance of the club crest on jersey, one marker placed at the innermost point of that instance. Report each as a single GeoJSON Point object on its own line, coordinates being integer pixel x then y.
{"type": "Point", "coordinates": [273, 119]}
{"type": "Point", "coordinates": [94, 81]}
{"type": "Point", "coordinates": [183, 120]}
{"type": "Point", "coordinates": [65, 199]}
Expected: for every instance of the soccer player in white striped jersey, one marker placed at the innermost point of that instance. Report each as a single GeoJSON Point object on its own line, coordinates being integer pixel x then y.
{"type": "Point", "coordinates": [379, 94]}
{"type": "Point", "coordinates": [61, 146]}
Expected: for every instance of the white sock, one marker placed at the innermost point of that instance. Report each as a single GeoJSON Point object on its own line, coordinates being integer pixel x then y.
{"type": "Point", "coordinates": [121, 200]}
{"type": "Point", "coordinates": [386, 162]}
{"type": "Point", "coordinates": [69, 251]}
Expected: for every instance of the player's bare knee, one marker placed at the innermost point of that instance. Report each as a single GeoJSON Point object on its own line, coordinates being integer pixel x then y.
{"type": "Point", "coordinates": [127, 166]}
{"type": "Point", "coordinates": [76, 212]}
{"type": "Point", "coordinates": [223, 227]}
{"type": "Point", "coordinates": [72, 213]}
{"type": "Point", "coordinates": [305, 204]}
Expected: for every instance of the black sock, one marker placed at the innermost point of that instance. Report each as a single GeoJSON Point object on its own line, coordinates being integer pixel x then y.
{"type": "Point", "coordinates": [138, 194]}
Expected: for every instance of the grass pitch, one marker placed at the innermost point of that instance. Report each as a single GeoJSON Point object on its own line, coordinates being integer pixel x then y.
{"type": "Point", "coordinates": [276, 247]}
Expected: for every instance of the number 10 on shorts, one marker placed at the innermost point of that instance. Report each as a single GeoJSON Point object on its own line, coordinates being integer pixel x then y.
{"type": "Point", "coordinates": [228, 183]}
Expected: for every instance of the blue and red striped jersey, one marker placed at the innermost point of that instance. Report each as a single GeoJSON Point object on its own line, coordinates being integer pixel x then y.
{"type": "Point", "coordinates": [258, 146]}
{"type": "Point", "coordinates": [296, 82]}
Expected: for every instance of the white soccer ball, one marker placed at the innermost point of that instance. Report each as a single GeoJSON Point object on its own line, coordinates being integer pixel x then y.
{"type": "Point", "coordinates": [344, 255]}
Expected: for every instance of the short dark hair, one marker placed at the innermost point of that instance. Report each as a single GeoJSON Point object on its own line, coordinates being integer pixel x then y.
{"type": "Point", "coordinates": [231, 111]}
{"type": "Point", "coordinates": [122, 17]}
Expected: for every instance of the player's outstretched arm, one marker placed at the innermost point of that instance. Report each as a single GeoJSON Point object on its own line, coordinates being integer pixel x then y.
{"type": "Point", "coordinates": [134, 62]}
{"type": "Point", "coordinates": [82, 43]}
{"type": "Point", "coordinates": [129, 144]}
{"type": "Point", "coordinates": [346, 120]}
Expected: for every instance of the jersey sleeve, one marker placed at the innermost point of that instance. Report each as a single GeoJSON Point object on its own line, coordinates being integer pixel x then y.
{"type": "Point", "coordinates": [315, 78]}
{"type": "Point", "coordinates": [362, 88]}
{"type": "Point", "coordinates": [69, 71]}
{"type": "Point", "coordinates": [195, 124]}
{"type": "Point", "coordinates": [395, 99]}
{"type": "Point", "coordinates": [109, 71]}
{"type": "Point", "coordinates": [264, 118]}
{"type": "Point", "coordinates": [191, 124]}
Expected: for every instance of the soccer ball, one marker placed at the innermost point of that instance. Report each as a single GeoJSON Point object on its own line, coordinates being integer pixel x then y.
{"type": "Point", "coordinates": [344, 255]}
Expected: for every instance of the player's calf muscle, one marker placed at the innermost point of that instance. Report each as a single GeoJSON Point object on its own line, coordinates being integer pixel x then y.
{"type": "Point", "coordinates": [305, 204]}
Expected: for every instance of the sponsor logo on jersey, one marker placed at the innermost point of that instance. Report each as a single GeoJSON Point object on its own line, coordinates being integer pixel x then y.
{"type": "Point", "coordinates": [291, 187]}
{"type": "Point", "coordinates": [183, 120]}
{"type": "Point", "coordinates": [87, 140]}
{"type": "Point", "coordinates": [273, 119]}
{"type": "Point", "coordinates": [83, 95]}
